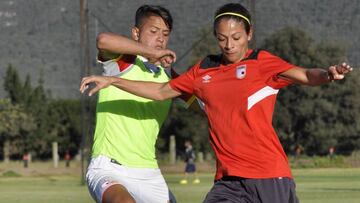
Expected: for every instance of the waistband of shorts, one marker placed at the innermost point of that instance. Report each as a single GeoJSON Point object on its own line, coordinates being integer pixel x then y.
{"type": "Point", "coordinates": [114, 161]}
{"type": "Point", "coordinates": [238, 178]}
{"type": "Point", "coordinates": [104, 163]}
{"type": "Point", "coordinates": [231, 178]}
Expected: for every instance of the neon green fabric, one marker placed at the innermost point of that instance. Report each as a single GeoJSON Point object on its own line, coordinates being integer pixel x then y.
{"type": "Point", "coordinates": [127, 126]}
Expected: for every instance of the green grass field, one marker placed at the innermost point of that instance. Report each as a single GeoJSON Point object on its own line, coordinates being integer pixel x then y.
{"type": "Point", "coordinates": [313, 185]}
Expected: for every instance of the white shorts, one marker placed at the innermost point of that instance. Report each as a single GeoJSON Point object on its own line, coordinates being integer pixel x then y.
{"type": "Point", "coordinates": [145, 185]}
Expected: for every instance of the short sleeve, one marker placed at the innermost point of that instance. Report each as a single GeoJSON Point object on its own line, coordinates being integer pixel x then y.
{"type": "Point", "coordinates": [185, 82]}
{"type": "Point", "coordinates": [186, 99]}
{"type": "Point", "coordinates": [115, 67]}
{"type": "Point", "coordinates": [270, 67]}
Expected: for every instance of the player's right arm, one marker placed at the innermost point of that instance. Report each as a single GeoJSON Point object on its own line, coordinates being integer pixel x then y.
{"type": "Point", "coordinates": [317, 76]}
{"type": "Point", "coordinates": [150, 90]}
{"type": "Point", "coordinates": [112, 46]}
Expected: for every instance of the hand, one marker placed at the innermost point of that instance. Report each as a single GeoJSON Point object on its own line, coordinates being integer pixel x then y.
{"type": "Point", "coordinates": [166, 61]}
{"type": "Point", "coordinates": [165, 56]}
{"type": "Point", "coordinates": [101, 82]}
{"type": "Point", "coordinates": [338, 72]}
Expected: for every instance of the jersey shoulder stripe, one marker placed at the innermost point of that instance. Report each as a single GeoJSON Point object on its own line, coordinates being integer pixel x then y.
{"type": "Point", "coordinates": [126, 61]}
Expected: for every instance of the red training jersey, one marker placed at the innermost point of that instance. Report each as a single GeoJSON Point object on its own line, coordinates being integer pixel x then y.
{"type": "Point", "coordinates": [239, 101]}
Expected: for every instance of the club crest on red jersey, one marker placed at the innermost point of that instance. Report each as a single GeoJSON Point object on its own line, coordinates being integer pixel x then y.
{"type": "Point", "coordinates": [241, 71]}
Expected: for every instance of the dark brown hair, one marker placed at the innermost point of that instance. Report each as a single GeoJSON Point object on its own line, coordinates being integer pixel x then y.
{"type": "Point", "coordinates": [233, 8]}
{"type": "Point", "coordinates": [149, 10]}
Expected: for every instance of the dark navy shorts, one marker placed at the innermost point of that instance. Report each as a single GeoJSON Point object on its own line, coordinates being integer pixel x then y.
{"type": "Point", "coordinates": [190, 168]}
{"type": "Point", "coordinates": [244, 190]}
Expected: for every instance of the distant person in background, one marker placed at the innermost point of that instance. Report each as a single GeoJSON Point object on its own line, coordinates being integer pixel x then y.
{"type": "Point", "coordinates": [298, 151]}
{"type": "Point", "coordinates": [190, 167]}
{"type": "Point", "coordinates": [331, 152]}
{"type": "Point", "coordinates": [67, 158]}
{"type": "Point", "coordinates": [25, 159]}
{"type": "Point", "coordinates": [238, 89]}
{"type": "Point", "coordinates": [123, 167]}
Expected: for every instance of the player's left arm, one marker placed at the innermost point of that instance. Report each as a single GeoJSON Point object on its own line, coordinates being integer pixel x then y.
{"type": "Point", "coordinates": [106, 56]}
{"type": "Point", "coordinates": [112, 45]}
{"type": "Point", "coordinates": [316, 76]}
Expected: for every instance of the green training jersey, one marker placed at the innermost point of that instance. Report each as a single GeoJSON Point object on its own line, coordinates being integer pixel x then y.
{"type": "Point", "coordinates": [127, 126]}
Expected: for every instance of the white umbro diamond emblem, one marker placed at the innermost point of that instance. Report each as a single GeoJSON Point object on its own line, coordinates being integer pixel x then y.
{"type": "Point", "coordinates": [206, 78]}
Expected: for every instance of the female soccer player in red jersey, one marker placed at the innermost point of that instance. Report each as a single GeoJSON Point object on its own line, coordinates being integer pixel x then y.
{"type": "Point", "coordinates": [238, 89]}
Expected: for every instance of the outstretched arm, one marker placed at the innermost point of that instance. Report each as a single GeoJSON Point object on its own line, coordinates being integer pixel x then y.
{"type": "Point", "coordinates": [317, 76]}
{"type": "Point", "coordinates": [110, 44]}
{"type": "Point", "coordinates": [150, 90]}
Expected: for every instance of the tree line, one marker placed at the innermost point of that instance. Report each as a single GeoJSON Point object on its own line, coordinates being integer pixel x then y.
{"type": "Point", "coordinates": [31, 120]}
{"type": "Point", "coordinates": [311, 118]}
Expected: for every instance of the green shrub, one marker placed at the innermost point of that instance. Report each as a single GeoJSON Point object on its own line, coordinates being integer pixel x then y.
{"type": "Point", "coordinates": [11, 174]}
{"type": "Point", "coordinates": [319, 162]}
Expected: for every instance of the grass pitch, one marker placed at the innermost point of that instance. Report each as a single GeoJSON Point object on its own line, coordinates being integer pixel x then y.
{"type": "Point", "coordinates": [313, 186]}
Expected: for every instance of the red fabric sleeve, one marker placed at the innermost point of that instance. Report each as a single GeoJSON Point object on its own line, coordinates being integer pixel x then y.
{"type": "Point", "coordinates": [270, 67]}
{"type": "Point", "coordinates": [185, 82]}
{"type": "Point", "coordinates": [187, 98]}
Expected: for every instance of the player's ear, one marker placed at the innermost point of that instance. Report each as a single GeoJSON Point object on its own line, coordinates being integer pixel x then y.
{"type": "Point", "coordinates": [250, 35]}
{"type": "Point", "coordinates": [135, 33]}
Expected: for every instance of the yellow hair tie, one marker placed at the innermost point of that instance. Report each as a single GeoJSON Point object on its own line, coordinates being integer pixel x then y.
{"type": "Point", "coordinates": [233, 14]}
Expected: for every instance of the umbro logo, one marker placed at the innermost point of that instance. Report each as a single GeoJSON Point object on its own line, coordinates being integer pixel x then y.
{"type": "Point", "coordinates": [206, 79]}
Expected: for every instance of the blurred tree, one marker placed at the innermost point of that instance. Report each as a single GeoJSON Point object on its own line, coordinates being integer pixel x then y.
{"type": "Point", "coordinates": [185, 124]}
{"type": "Point", "coordinates": [206, 45]}
{"type": "Point", "coordinates": [347, 97]}
{"type": "Point", "coordinates": [12, 85]}
{"type": "Point", "coordinates": [66, 115]}
{"type": "Point", "coordinates": [292, 45]}
{"type": "Point", "coordinates": [46, 127]}
{"type": "Point", "coordinates": [26, 92]}
{"type": "Point", "coordinates": [15, 123]}
{"type": "Point", "coordinates": [54, 120]}
{"type": "Point", "coordinates": [313, 117]}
